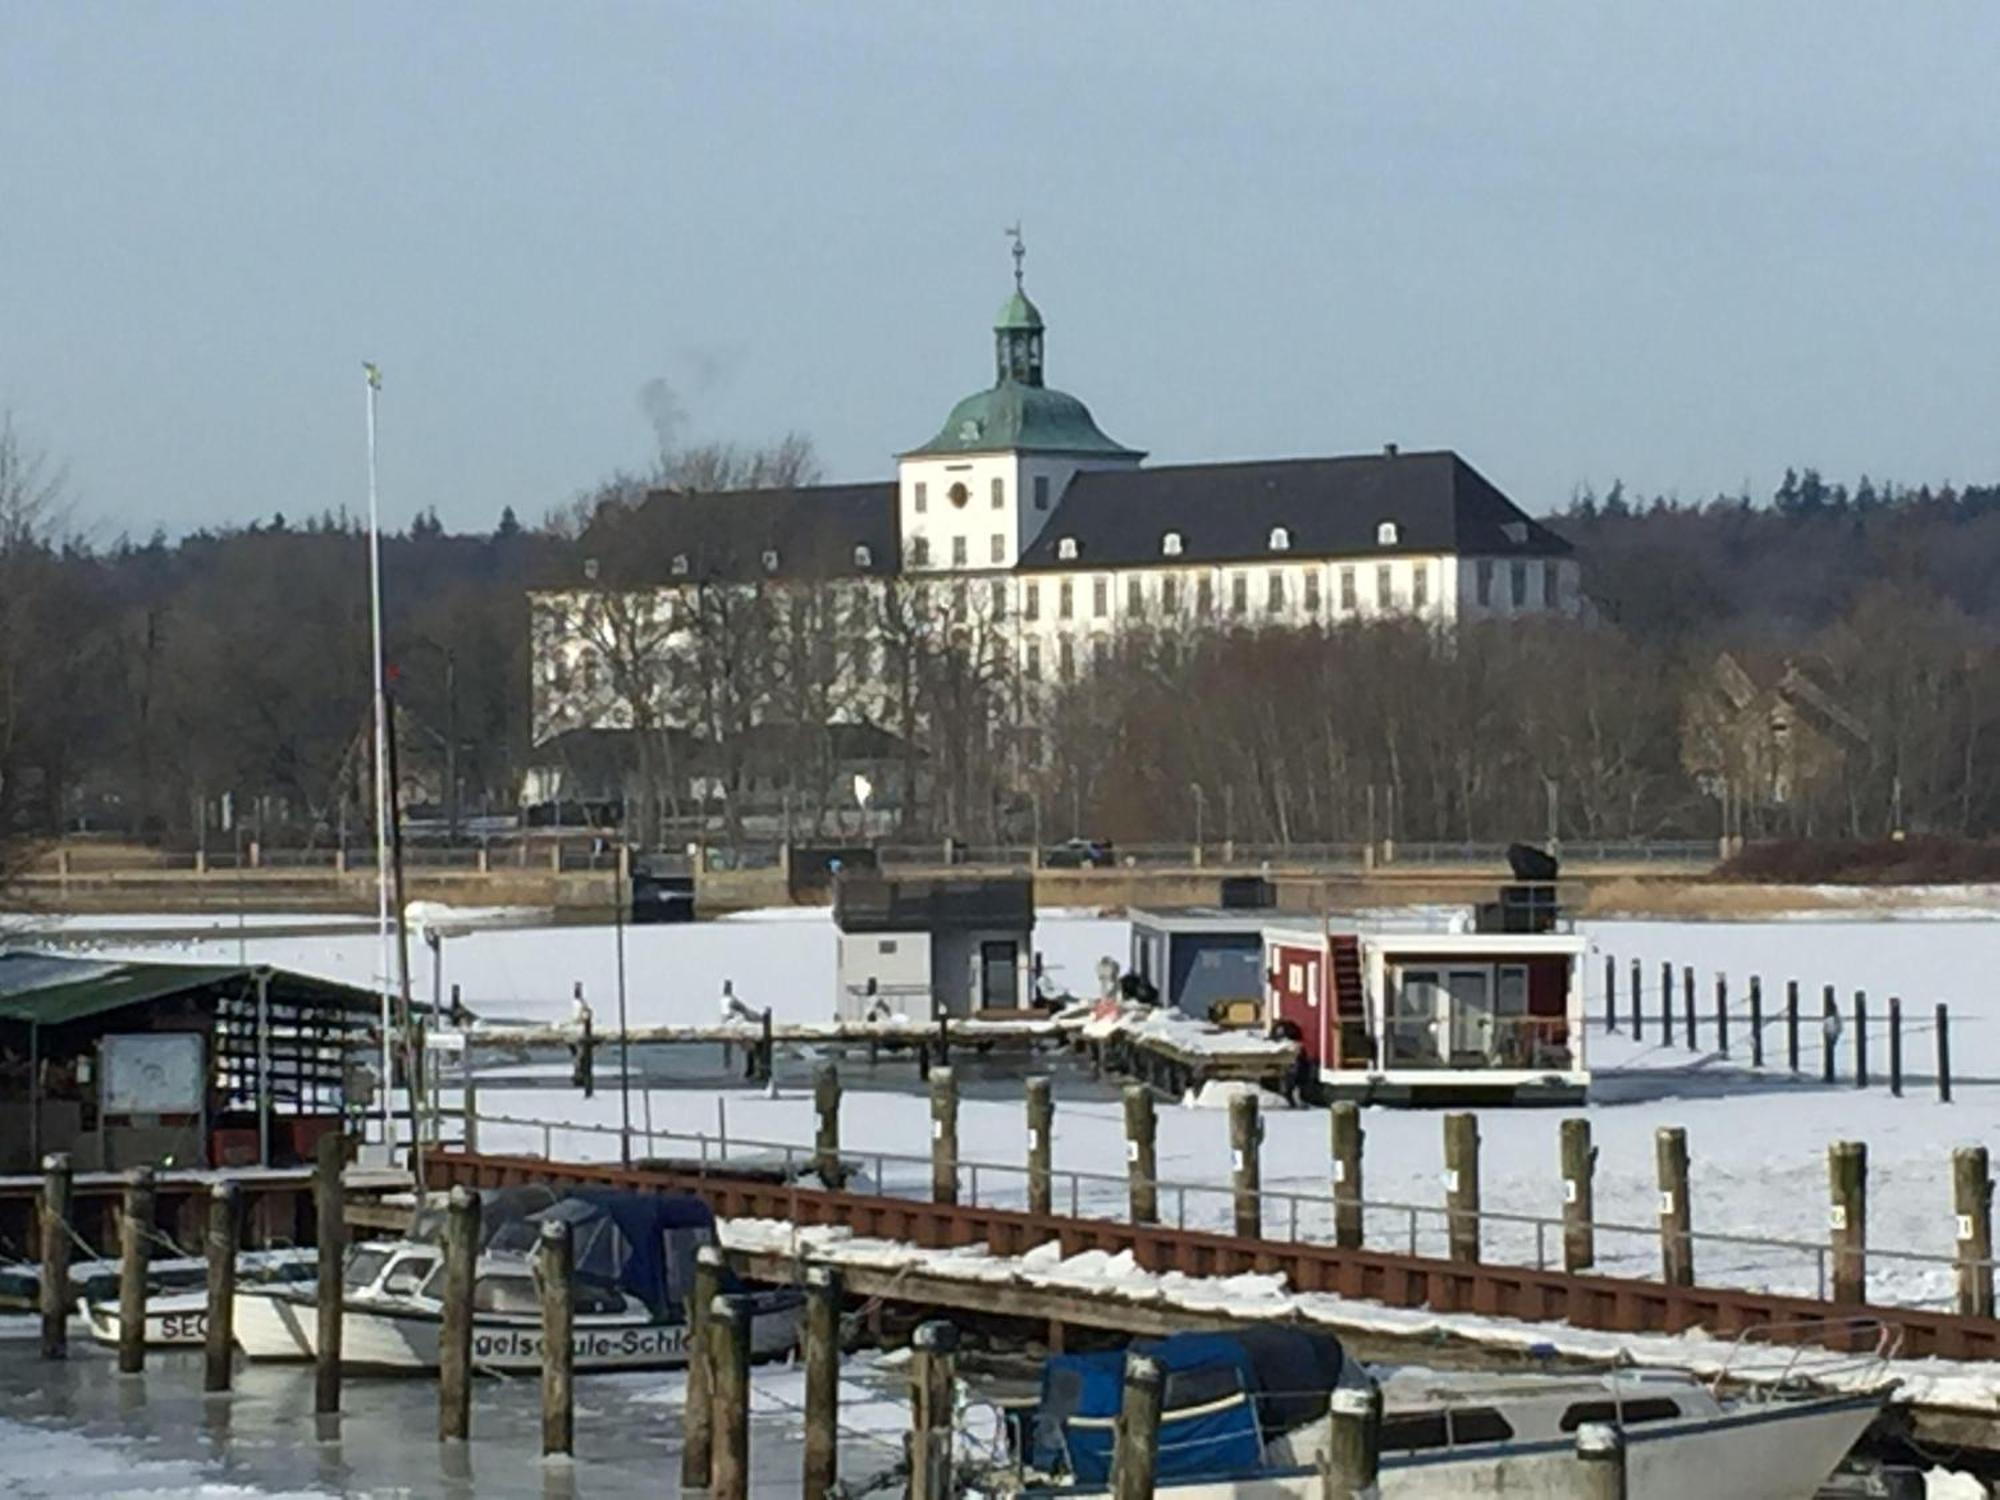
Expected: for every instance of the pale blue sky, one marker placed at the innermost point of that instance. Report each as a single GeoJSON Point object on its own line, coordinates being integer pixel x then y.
{"type": "Point", "coordinates": [1687, 244]}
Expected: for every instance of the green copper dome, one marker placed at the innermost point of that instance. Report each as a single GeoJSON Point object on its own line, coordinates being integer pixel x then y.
{"type": "Point", "coordinates": [1024, 418]}
{"type": "Point", "coordinates": [1017, 312]}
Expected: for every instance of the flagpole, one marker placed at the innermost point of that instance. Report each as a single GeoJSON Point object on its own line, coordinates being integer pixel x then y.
{"type": "Point", "coordinates": [382, 788]}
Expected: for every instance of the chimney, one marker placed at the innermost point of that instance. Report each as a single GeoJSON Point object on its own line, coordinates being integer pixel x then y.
{"type": "Point", "coordinates": [1389, 450]}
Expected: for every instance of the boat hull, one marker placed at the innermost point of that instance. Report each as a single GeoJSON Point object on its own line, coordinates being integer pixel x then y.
{"type": "Point", "coordinates": [280, 1326]}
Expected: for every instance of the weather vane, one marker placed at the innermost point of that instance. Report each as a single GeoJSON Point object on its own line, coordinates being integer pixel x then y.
{"type": "Point", "coordinates": [1013, 232]}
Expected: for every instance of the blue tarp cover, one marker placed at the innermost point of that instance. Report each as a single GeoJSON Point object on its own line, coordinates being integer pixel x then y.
{"type": "Point", "coordinates": [642, 1242]}
{"type": "Point", "coordinates": [1209, 1426]}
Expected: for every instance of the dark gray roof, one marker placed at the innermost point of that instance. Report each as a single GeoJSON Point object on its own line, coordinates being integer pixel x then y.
{"type": "Point", "coordinates": [1329, 506]}
{"type": "Point", "coordinates": [813, 530]}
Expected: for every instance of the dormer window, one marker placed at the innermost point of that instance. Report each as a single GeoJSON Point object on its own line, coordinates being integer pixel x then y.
{"type": "Point", "coordinates": [1066, 549]}
{"type": "Point", "coordinates": [1515, 532]}
{"type": "Point", "coordinates": [590, 569]}
{"type": "Point", "coordinates": [770, 559]}
{"type": "Point", "coordinates": [1170, 544]}
{"type": "Point", "coordinates": [863, 558]}
{"type": "Point", "coordinates": [1281, 539]}
{"type": "Point", "coordinates": [1386, 534]}
{"type": "Point", "coordinates": [680, 564]}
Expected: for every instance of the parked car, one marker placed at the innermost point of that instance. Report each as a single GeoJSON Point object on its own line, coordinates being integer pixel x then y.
{"type": "Point", "coordinates": [1080, 854]}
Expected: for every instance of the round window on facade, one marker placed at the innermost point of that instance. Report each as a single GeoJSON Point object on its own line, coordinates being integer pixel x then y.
{"type": "Point", "coordinates": [959, 495]}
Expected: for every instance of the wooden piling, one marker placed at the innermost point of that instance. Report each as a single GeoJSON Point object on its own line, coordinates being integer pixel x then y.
{"type": "Point", "coordinates": [729, 1355]}
{"type": "Point", "coordinates": [554, 1266]}
{"type": "Point", "coordinates": [1600, 1461]}
{"type": "Point", "coordinates": [1972, 1199]}
{"type": "Point", "coordinates": [1135, 1458]}
{"type": "Point", "coordinates": [1579, 1170]}
{"type": "Point", "coordinates": [1687, 1005]}
{"type": "Point", "coordinates": [1347, 1187]}
{"type": "Point", "coordinates": [826, 1130]}
{"type": "Point", "coordinates": [1670, 1152]}
{"type": "Point", "coordinates": [135, 1238]}
{"type": "Point", "coordinates": [1792, 1025]}
{"type": "Point", "coordinates": [54, 1290]}
{"type": "Point", "coordinates": [1461, 1184]}
{"type": "Point", "coordinates": [1041, 1144]}
{"type": "Point", "coordinates": [1829, 1030]}
{"type": "Point", "coordinates": [1847, 1179]}
{"type": "Point", "coordinates": [1861, 1039]}
{"type": "Point", "coordinates": [1141, 1154]}
{"type": "Point", "coordinates": [330, 1232]}
{"type": "Point", "coordinates": [1246, 1137]}
{"type": "Point", "coordinates": [698, 1417]}
{"type": "Point", "coordinates": [1667, 1003]}
{"type": "Point", "coordinates": [1756, 1022]}
{"type": "Point", "coordinates": [1610, 993]}
{"type": "Point", "coordinates": [1722, 1014]}
{"type": "Point", "coordinates": [944, 1136]}
{"type": "Point", "coordinates": [767, 1058]}
{"type": "Point", "coordinates": [1943, 1024]}
{"type": "Point", "coordinates": [1638, 1005]}
{"type": "Point", "coordinates": [1354, 1442]}
{"type": "Point", "coordinates": [461, 1251]}
{"type": "Point", "coordinates": [932, 1383]}
{"type": "Point", "coordinates": [219, 1338]}
{"type": "Point", "coordinates": [1896, 1045]}
{"type": "Point", "coordinates": [822, 1340]}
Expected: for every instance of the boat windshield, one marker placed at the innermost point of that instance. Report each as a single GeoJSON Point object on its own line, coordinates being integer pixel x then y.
{"type": "Point", "coordinates": [364, 1264]}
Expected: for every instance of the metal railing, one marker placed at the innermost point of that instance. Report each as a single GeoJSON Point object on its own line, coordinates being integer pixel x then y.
{"type": "Point", "coordinates": [1420, 1227]}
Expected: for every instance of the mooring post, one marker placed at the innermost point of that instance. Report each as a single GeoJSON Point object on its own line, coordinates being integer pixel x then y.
{"type": "Point", "coordinates": [822, 1338]}
{"type": "Point", "coordinates": [1354, 1442]}
{"type": "Point", "coordinates": [932, 1382]}
{"type": "Point", "coordinates": [219, 1338]}
{"type": "Point", "coordinates": [1246, 1137]}
{"type": "Point", "coordinates": [1135, 1458]}
{"type": "Point", "coordinates": [1861, 1039]}
{"type": "Point", "coordinates": [729, 1354]}
{"type": "Point", "coordinates": [54, 1290]}
{"type": "Point", "coordinates": [944, 1037]}
{"type": "Point", "coordinates": [1829, 1030]}
{"type": "Point", "coordinates": [698, 1416]}
{"type": "Point", "coordinates": [1792, 1025]}
{"type": "Point", "coordinates": [1670, 1151]}
{"type": "Point", "coordinates": [135, 1233]}
{"type": "Point", "coordinates": [461, 1251]}
{"type": "Point", "coordinates": [767, 1059]}
{"type": "Point", "coordinates": [1610, 993]}
{"type": "Point", "coordinates": [1579, 1170]}
{"type": "Point", "coordinates": [330, 1233]}
{"type": "Point", "coordinates": [1600, 1461]}
{"type": "Point", "coordinates": [1667, 1002]}
{"type": "Point", "coordinates": [1943, 1053]}
{"type": "Point", "coordinates": [1638, 1006]}
{"type": "Point", "coordinates": [585, 1071]}
{"type": "Point", "coordinates": [1461, 1184]}
{"type": "Point", "coordinates": [1041, 1137]}
{"type": "Point", "coordinates": [1896, 1045]}
{"type": "Point", "coordinates": [1722, 1014]}
{"type": "Point", "coordinates": [944, 1136]}
{"type": "Point", "coordinates": [1141, 1156]}
{"type": "Point", "coordinates": [1687, 1005]}
{"type": "Point", "coordinates": [1847, 1177]}
{"type": "Point", "coordinates": [553, 1267]}
{"type": "Point", "coordinates": [826, 1131]}
{"type": "Point", "coordinates": [1347, 1140]}
{"type": "Point", "coordinates": [1972, 1200]}
{"type": "Point", "coordinates": [1756, 1022]}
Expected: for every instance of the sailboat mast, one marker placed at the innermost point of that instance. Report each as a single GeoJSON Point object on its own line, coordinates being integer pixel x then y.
{"type": "Point", "coordinates": [383, 792]}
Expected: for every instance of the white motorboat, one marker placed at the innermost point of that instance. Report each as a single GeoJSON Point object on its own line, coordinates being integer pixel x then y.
{"type": "Point", "coordinates": [177, 1295]}
{"type": "Point", "coordinates": [633, 1255]}
{"type": "Point", "coordinates": [1251, 1423]}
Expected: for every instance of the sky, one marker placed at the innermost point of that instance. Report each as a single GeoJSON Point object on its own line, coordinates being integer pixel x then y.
{"type": "Point", "coordinates": [1683, 245]}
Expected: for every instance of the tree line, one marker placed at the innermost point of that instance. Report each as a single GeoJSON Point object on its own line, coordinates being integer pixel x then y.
{"type": "Point", "coordinates": [145, 685]}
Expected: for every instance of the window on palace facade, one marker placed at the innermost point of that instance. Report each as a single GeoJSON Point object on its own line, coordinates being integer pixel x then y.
{"type": "Point", "coordinates": [1385, 587]}
{"type": "Point", "coordinates": [996, 594]}
{"type": "Point", "coordinates": [1066, 659]}
{"type": "Point", "coordinates": [1274, 592]}
{"type": "Point", "coordinates": [1420, 586]}
{"type": "Point", "coordinates": [922, 495]}
{"type": "Point", "coordinates": [1066, 549]}
{"type": "Point", "coordinates": [999, 548]}
{"type": "Point", "coordinates": [1031, 662]}
{"type": "Point", "coordinates": [999, 493]}
{"type": "Point", "coordinates": [1347, 600]}
{"type": "Point", "coordinates": [1485, 582]}
{"type": "Point", "coordinates": [920, 550]}
{"type": "Point", "coordinates": [1312, 592]}
{"type": "Point", "coordinates": [1281, 539]}
{"type": "Point", "coordinates": [1550, 585]}
{"type": "Point", "coordinates": [1031, 600]}
{"type": "Point", "coordinates": [1239, 593]}
{"type": "Point", "coordinates": [1135, 595]}
{"type": "Point", "coordinates": [958, 552]}
{"type": "Point", "coordinates": [1204, 594]}
{"type": "Point", "coordinates": [1098, 651]}
{"type": "Point", "coordinates": [1170, 594]}
{"type": "Point", "coordinates": [1518, 582]}
{"type": "Point", "coordinates": [1041, 492]}
{"type": "Point", "coordinates": [1100, 597]}
{"type": "Point", "coordinates": [1066, 599]}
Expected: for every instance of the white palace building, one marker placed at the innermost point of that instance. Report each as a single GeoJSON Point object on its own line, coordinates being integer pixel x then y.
{"type": "Point", "coordinates": [1022, 511]}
